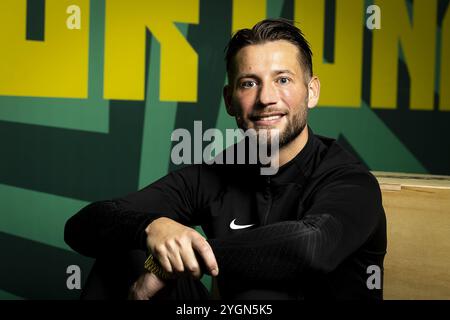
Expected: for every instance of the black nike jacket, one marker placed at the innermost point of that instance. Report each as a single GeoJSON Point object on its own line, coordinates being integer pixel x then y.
{"type": "Point", "coordinates": [314, 230]}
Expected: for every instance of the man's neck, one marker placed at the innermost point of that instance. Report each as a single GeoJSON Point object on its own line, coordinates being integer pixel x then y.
{"type": "Point", "coordinates": [289, 151]}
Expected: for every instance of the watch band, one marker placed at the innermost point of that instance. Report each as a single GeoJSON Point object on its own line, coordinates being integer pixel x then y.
{"type": "Point", "coordinates": [152, 265]}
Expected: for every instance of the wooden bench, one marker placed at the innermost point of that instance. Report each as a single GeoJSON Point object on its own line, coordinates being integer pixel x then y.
{"type": "Point", "coordinates": [417, 264]}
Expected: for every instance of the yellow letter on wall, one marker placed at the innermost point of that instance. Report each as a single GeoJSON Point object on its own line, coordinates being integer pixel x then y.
{"type": "Point", "coordinates": [126, 23]}
{"type": "Point", "coordinates": [341, 80]}
{"type": "Point", "coordinates": [55, 67]}
{"type": "Point", "coordinates": [418, 41]}
{"type": "Point", "coordinates": [248, 13]}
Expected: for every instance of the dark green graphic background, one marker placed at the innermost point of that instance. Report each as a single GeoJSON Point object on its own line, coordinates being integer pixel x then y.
{"type": "Point", "coordinates": [48, 171]}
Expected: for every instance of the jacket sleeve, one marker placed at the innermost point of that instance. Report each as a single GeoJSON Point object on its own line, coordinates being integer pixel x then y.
{"type": "Point", "coordinates": [103, 227]}
{"type": "Point", "coordinates": [344, 214]}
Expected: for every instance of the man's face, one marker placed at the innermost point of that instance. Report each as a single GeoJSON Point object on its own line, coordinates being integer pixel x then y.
{"type": "Point", "coordinates": [268, 89]}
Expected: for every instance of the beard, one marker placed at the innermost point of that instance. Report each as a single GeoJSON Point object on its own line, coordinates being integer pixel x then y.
{"type": "Point", "coordinates": [294, 126]}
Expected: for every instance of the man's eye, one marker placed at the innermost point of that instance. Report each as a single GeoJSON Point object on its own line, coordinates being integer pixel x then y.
{"type": "Point", "coordinates": [284, 80]}
{"type": "Point", "coordinates": [248, 84]}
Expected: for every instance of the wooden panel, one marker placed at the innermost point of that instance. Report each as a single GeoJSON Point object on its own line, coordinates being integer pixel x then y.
{"type": "Point", "coordinates": [417, 264]}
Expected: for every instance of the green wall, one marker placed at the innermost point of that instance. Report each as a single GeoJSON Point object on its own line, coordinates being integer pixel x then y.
{"type": "Point", "coordinates": [58, 154]}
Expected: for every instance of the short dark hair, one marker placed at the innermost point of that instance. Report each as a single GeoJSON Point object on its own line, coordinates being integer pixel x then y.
{"type": "Point", "coordinates": [270, 30]}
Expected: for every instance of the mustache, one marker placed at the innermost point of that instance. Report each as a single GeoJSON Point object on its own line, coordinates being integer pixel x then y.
{"type": "Point", "coordinates": [267, 112]}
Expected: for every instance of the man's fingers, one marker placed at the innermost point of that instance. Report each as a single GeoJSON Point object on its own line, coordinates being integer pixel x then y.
{"type": "Point", "coordinates": [169, 258]}
{"type": "Point", "coordinates": [163, 260]}
{"type": "Point", "coordinates": [202, 247]}
{"type": "Point", "coordinates": [166, 264]}
{"type": "Point", "coordinates": [176, 262]}
{"type": "Point", "coordinates": [190, 262]}
{"type": "Point", "coordinates": [176, 251]}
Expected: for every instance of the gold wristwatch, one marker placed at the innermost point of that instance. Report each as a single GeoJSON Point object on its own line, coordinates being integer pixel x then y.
{"type": "Point", "coordinates": [152, 265]}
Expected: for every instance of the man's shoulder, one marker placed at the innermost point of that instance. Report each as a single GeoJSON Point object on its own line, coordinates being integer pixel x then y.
{"type": "Point", "coordinates": [333, 156]}
{"type": "Point", "coordinates": [337, 164]}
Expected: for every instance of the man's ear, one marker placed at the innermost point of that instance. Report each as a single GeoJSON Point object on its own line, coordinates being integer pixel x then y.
{"type": "Point", "coordinates": [227, 97]}
{"type": "Point", "coordinates": [313, 92]}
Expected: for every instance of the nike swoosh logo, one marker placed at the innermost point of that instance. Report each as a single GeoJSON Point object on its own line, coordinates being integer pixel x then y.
{"type": "Point", "coordinates": [235, 226]}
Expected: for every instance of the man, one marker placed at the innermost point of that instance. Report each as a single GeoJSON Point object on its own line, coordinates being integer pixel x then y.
{"type": "Point", "coordinates": [312, 230]}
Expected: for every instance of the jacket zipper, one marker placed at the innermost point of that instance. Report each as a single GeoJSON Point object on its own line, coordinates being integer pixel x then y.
{"type": "Point", "coordinates": [269, 194]}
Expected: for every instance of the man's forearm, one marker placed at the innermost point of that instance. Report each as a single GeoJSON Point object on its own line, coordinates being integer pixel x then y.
{"type": "Point", "coordinates": [104, 227]}
{"type": "Point", "coordinates": [282, 251]}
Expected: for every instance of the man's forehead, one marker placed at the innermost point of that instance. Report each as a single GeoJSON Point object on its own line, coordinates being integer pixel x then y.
{"type": "Point", "coordinates": [277, 55]}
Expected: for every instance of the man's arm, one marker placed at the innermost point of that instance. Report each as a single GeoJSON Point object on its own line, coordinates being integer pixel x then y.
{"type": "Point", "coordinates": [118, 224]}
{"type": "Point", "coordinates": [145, 287]}
{"type": "Point", "coordinates": [106, 227]}
{"type": "Point", "coordinates": [342, 218]}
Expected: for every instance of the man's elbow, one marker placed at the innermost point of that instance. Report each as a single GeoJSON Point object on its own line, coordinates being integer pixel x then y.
{"type": "Point", "coordinates": [77, 232]}
{"type": "Point", "coordinates": [71, 230]}
{"type": "Point", "coordinates": [324, 265]}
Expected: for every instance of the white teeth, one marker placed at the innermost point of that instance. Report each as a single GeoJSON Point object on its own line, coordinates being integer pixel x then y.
{"type": "Point", "coordinates": [270, 118]}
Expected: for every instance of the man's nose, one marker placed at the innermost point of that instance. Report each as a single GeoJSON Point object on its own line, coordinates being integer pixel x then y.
{"type": "Point", "coordinates": [267, 95]}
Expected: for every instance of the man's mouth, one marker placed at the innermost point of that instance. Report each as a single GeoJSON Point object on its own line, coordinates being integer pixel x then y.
{"type": "Point", "coordinates": [268, 119]}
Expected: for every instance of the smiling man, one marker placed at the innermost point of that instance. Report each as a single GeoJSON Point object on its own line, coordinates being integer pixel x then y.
{"type": "Point", "coordinates": [271, 86]}
{"type": "Point", "coordinates": [310, 231]}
